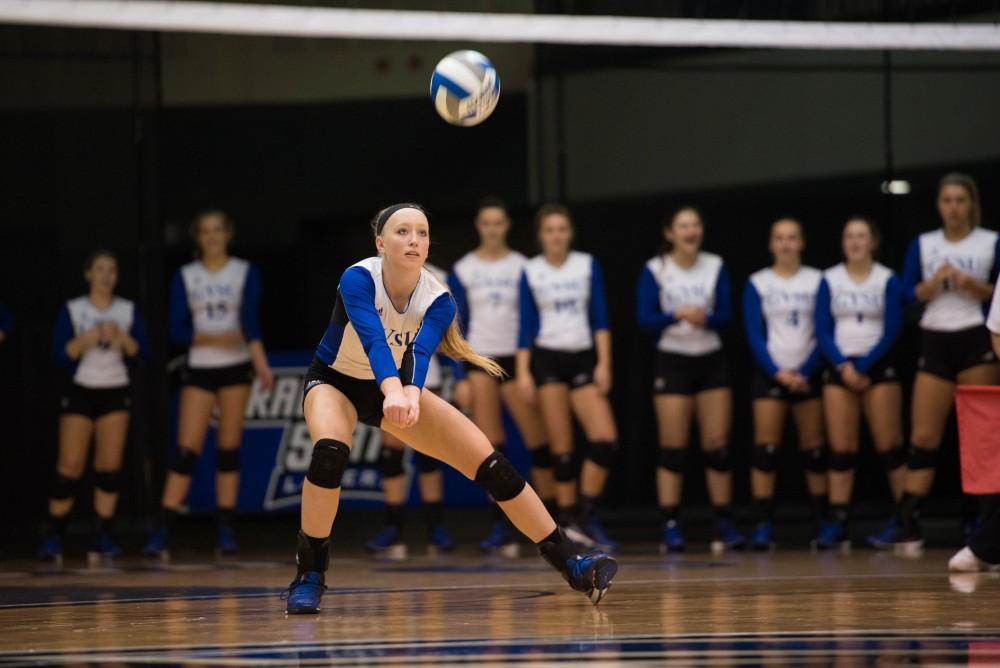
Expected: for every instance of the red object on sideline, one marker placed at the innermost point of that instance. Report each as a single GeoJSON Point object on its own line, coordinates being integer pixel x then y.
{"type": "Point", "coordinates": [978, 408]}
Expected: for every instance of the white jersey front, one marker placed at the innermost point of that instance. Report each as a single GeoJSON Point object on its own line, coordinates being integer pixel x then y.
{"type": "Point", "coordinates": [952, 310]}
{"type": "Point", "coordinates": [400, 328]}
{"type": "Point", "coordinates": [491, 292]}
{"type": "Point", "coordinates": [858, 309]}
{"type": "Point", "coordinates": [691, 286]}
{"type": "Point", "coordinates": [562, 297]}
{"type": "Point", "coordinates": [100, 367]}
{"type": "Point", "coordinates": [215, 299]}
{"type": "Point", "coordinates": [788, 306]}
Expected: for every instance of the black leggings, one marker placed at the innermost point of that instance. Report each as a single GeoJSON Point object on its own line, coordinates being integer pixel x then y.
{"type": "Point", "coordinates": [985, 543]}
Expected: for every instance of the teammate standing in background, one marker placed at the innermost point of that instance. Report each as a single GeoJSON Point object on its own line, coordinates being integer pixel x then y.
{"type": "Point", "coordinates": [951, 271]}
{"type": "Point", "coordinates": [778, 306]}
{"type": "Point", "coordinates": [93, 336]}
{"type": "Point", "coordinates": [685, 296]}
{"type": "Point", "coordinates": [484, 283]}
{"type": "Point", "coordinates": [214, 304]}
{"type": "Point", "coordinates": [859, 313]}
{"type": "Point", "coordinates": [564, 359]}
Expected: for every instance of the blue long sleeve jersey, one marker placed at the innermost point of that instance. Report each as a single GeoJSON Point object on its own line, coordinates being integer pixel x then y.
{"type": "Point", "coordinates": [858, 322]}
{"type": "Point", "coordinates": [368, 338]}
{"type": "Point", "coordinates": [778, 314]}
{"type": "Point", "coordinates": [562, 307]}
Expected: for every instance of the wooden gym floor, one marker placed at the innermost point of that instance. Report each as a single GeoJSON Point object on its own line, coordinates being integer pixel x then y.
{"type": "Point", "coordinates": [785, 608]}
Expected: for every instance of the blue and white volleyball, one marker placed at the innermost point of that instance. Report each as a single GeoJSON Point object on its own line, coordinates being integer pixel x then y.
{"type": "Point", "coordinates": [465, 88]}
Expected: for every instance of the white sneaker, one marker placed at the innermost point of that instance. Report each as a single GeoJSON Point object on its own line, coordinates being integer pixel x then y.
{"type": "Point", "coordinates": [964, 561]}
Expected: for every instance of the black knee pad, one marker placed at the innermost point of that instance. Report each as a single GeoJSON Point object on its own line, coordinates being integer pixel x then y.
{"type": "Point", "coordinates": [424, 463]}
{"type": "Point", "coordinates": [815, 460]}
{"type": "Point", "coordinates": [843, 461]}
{"type": "Point", "coordinates": [499, 477]}
{"type": "Point", "coordinates": [64, 487]}
{"type": "Point", "coordinates": [565, 468]}
{"type": "Point", "coordinates": [541, 457]}
{"type": "Point", "coordinates": [329, 460]}
{"type": "Point", "coordinates": [108, 482]}
{"type": "Point", "coordinates": [894, 458]}
{"type": "Point", "coordinates": [184, 461]}
{"type": "Point", "coordinates": [228, 460]}
{"type": "Point", "coordinates": [718, 460]}
{"type": "Point", "coordinates": [391, 462]}
{"type": "Point", "coordinates": [602, 453]}
{"type": "Point", "coordinates": [765, 457]}
{"type": "Point", "coordinates": [921, 458]}
{"type": "Point", "coordinates": [672, 459]}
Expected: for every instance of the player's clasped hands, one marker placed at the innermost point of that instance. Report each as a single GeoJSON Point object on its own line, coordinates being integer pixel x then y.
{"type": "Point", "coordinates": [402, 407]}
{"type": "Point", "coordinates": [692, 314]}
{"type": "Point", "coordinates": [793, 380]}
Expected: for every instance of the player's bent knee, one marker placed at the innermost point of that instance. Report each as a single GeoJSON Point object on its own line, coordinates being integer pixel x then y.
{"type": "Point", "coordinates": [108, 482]}
{"type": "Point", "coordinates": [765, 457]}
{"type": "Point", "coordinates": [672, 459]}
{"type": "Point", "coordinates": [64, 487]}
{"type": "Point", "coordinates": [184, 461]}
{"type": "Point", "coordinates": [541, 457]}
{"type": "Point", "coordinates": [602, 453]}
{"type": "Point", "coordinates": [329, 461]}
{"type": "Point", "coordinates": [499, 477]}
{"type": "Point", "coordinates": [719, 460]}
{"type": "Point", "coordinates": [565, 468]}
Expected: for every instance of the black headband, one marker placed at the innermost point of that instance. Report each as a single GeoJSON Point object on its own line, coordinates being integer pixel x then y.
{"type": "Point", "coordinates": [383, 217]}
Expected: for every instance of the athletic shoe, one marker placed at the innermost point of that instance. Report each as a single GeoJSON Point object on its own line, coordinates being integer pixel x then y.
{"type": "Point", "coordinates": [590, 573]}
{"type": "Point", "coordinates": [387, 543]}
{"type": "Point", "coordinates": [965, 561]}
{"type": "Point", "coordinates": [104, 546]}
{"type": "Point", "coordinates": [441, 541]}
{"type": "Point", "coordinates": [500, 541]}
{"type": "Point", "coordinates": [305, 593]}
{"type": "Point", "coordinates": [595, 530]}
{"type": "Point", "coordinates": [156, 546]}
{"type": "Point", "coordinates": [762, 536]}
{"type": "Point", "coordinates": [886, 537]}
{"type": "Point", "coordinates": [832, 535]}
{"type": "Point", "coordinates": [226, 545]}
{"type": "Point", "coordinates": [727, 538]}
{"type": "Point", "coordinates": [51, 548]}
{"type": "Point", "coordinates": [673, 539]}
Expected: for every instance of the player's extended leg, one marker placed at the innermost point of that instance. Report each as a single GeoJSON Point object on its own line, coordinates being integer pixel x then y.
{"type": "Point", "coordinates": [842, 409]}
{"type": "Point", "coordinates": [74, 440]}
{"type": "Point", "coordinates": [232, 409]}
{"type": "Point", "coordinates": [110, 433]}
{"type": "Point", "coordinates": [445, 434]}
{"type": "Point", "coordinates": [883, 406]}
{"type": "Point", "coordinates": [593, 410]}
{"type": "Point", "coordinates": [768, 427]}
{"type": "Point", "coordinates": [673, 426]}
{"type": "Point", "coordinates": [714, 410]}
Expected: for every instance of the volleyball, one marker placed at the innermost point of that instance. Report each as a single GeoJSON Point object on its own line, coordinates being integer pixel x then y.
{"type": "Point", "coordinates": [465, 88]}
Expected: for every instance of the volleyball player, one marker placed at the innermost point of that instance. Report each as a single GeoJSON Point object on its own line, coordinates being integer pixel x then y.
{"type": "Point", "coordinates": [685, 296]}
{"type": "Point", "coordinates": [951, 271]}
{"type": "Point", "coordinates": [564, 358]}
{"type": "Point", "coordinates": [94, 334]}
{"type": "Point", "coordinates": [388, 542]}
{"type": "Point", "coordinates": [214, 303]}
{"type": "Point", "coordinates": [778, 305]}
{"type": "Point", "coordinates": [859, 313]}
{"type": "Point", "coordinates": [485, 285]}
{"type": "Point", "coordinates": [390, 316]}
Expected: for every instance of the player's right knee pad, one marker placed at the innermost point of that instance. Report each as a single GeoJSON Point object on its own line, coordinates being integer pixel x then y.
{"type": "Point", "coordinates": [64, 487]}
{"type": "Point", "coordinates": [843, 461]}
{"type": "Point", "coordinates": [921, 458]}
{"type": "Point", "coordinates": [565, 468]}
{"type": "Point", "coordinates": [894, 458]}
{"type": "Point", "coordinates": [765, 457]}
{"type": "Point", "coordinates": [184, 460]}
{"type": "Point", "coordinates": [499, 477]}
{"type": "Point", "coordinates": [719, 460]}
{"type": "Point", "coordinates": [672, 459]}
{"type": "Point", "coordinates": [541, 457]}
{"type": "Point", "coordinates": [329, 461]}
{"type": "Point", "coordinates": [391, 462]}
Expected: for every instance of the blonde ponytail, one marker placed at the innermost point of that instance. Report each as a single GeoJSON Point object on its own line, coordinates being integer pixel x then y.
{"type": "Point", "coordinates": [454, 345]}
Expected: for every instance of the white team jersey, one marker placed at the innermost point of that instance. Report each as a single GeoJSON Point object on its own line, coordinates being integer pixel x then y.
{"type": "Point", "coordinates": [215, 299]}
{"type": "Point", "coordinates": [858, 309]}
{"type": "Point", "coordinates": [100, 368]}
{"type": "Point", "coordinates": [434, 378]}
{"type": "Point", "coordinates": [953, 310]}
{"type": "Point", "coordinates": [400, 328]}
{"type": "Point", "coordinates": [788, 306]}
{"type": "Point", "coordinates": [693, 286]}
{"type": "Point", "coordinates": [562, 296]}
{"type": "Point", "coordinates": [491, 290]}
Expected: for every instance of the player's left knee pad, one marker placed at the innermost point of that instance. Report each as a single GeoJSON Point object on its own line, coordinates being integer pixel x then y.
{"type": "Point", "coordinates": [671, 459]}
{"type": "Point", "coordinates": [228, 460]}
{"type": "Point", "coordinates": [541, 457]}
{"type": "Point", "coordinates": [499, 477]}
{"type": "Point", "coordinates": [765, 457]}
{"type": "Point", "coordinates": [565, 468]}
{"type": "Point", "coordinates": [843, 461]}
{"type": "Point", "coordinates": [602, 453]}
{"type": "Point", "coordinates": [108, 482]}
{"type": "Point", "coordinates": [424, 463]}
{"type": "Point", "coordinates": [921, 458]}
{"type": "Point", "coordinates": [894, 458]}
{"type": "Point", "coordinates": [329, 461]}
{"type": "Point", "coordinates": [719, 460]}
{"type": "Point", "coordinates": [815, 460]}
{"type": "Point", "coordinates": [64, 487]}
{"type": "Point", "coordinates": [184, 461]}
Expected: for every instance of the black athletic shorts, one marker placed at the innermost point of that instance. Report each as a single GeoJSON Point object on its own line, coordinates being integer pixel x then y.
{"type": "Point", "coordinates": [689, 374]}
{"type": "Point", "coordinates": [555, 366]}
{"type": "Point", "coordinates": [768, 388]}
{"type": "Point", "coordinates": [94, 403]}
{"type": "Point", "coordinates": [212, 379]}
{"type": "Point", "coordinates": [946, 354]}
{"type": "Point", "coordinates": [883, 371]}
{"type": "Point", "coordinates": [363, 393]}
{"type": "Point", "coordinates": [506, 363]}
